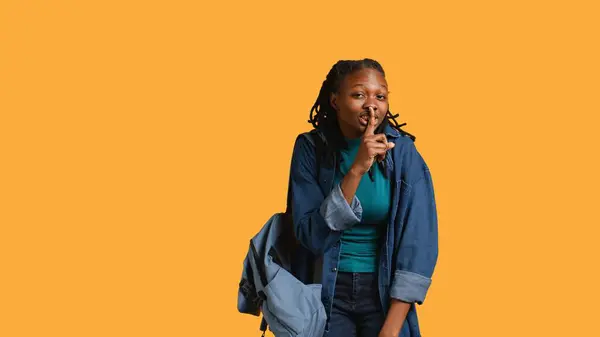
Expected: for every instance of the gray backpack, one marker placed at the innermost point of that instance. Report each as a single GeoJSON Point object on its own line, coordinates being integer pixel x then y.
{"type": "Point", "coordinates": [290, 308]}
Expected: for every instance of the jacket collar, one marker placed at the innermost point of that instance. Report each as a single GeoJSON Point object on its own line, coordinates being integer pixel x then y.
{"type": "Point", "coordinates": [390, 131]}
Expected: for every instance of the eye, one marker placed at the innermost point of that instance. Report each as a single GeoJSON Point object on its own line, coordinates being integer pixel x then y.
{"type": "Point", "coordinates": [358, 95]}
{"type": "Point", "coordinates": [382, 97]}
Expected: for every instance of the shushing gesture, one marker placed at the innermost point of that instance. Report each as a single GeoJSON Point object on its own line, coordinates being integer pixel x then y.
{"type": "Point", "coordinates": [371, 147]}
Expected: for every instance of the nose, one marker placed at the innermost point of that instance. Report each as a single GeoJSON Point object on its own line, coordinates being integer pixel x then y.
{"type": "Point", "coordinates": [370, 102]}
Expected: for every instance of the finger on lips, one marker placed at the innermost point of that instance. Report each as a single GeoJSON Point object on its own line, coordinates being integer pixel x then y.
{"type": "Point", "coordinates": [378, 142]}
{"type": "Point", "coordinates": [370, 130]}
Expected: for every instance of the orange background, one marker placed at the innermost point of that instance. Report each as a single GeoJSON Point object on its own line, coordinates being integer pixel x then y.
{"type": "Point", "coordinates": [143, 143]}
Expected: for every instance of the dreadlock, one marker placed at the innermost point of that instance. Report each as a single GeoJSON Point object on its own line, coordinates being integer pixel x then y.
{"type": "Point", "coordinates": [324, 117]}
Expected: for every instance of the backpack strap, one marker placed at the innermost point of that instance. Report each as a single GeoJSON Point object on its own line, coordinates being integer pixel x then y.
{"type": "Point", "coordinates": [259, 266]}
{"type": "Point", "coordinates": [263, 326]}
{"type": "Point", "coordinates": [320, 147]}
{"type": "Point", "coordinates": [317, 139]}
{"type": "Point", "coordinates": [258, 262]}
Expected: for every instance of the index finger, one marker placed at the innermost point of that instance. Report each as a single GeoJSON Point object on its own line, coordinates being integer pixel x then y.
{"type": "Point", "coordinates": [370, 130]}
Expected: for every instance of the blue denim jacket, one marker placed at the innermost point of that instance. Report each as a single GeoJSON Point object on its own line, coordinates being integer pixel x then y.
{"type": "Point", "coordinates": [409, 253]}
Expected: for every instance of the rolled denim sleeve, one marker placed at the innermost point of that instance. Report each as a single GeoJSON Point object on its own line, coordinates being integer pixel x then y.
{"type": "Point", "coordinates": [337, 213]}
{"type": "Point", "coordinates": [418, 250]}
{"type": "Point", "coordinates": [409, 287]}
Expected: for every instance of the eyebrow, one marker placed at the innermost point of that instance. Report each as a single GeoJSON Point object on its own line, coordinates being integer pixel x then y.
{"type": "Point", "coordinates": [362, 85]}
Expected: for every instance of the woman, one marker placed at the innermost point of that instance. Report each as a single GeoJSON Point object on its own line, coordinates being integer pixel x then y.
{"type": "Point", "coordinates": [366, 210]}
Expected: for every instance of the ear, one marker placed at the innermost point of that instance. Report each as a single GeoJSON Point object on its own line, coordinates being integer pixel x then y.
{"type": "Point", "coordinates": [333, 101]}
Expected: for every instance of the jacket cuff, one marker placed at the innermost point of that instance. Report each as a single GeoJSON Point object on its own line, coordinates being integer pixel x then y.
{"type": "Point", "coordinates": [337, 213]}
{"type": "Point", "coordinates": [409, 287]}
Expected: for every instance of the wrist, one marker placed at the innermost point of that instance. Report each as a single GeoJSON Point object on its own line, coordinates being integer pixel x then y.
{"type": "Point", "coordinates": [355, 171]}
{"type": "Point", "coordinates": [387, 331]}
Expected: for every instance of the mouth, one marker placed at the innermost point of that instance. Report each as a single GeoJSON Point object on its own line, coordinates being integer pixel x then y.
{"type": "Point", "coordinates": [364, 119]}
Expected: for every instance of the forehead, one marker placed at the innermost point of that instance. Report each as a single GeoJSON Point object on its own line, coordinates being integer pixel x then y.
{"type": "Point", "coordinates": [367, 77]}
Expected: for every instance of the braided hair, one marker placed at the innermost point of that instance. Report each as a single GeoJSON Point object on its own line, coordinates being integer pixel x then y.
{"type": "Point", "coordinates": [324, 117]}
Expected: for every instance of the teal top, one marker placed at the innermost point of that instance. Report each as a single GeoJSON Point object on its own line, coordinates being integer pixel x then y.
{"type": "Point", "coordinates": [360, 244]}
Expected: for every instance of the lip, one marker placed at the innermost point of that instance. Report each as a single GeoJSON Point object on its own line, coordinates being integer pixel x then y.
{"type": "Point", "coordinates": [364, 119]}
{"type": "Point", "coordinates": [368, 116]}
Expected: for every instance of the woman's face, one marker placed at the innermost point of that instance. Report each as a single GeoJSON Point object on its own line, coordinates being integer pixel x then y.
{"type": "Point", "coordinates": [358, 91]}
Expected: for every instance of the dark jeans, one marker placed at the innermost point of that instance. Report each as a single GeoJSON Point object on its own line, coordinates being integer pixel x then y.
{"type": "Point", "coordinates": [356, 310]}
